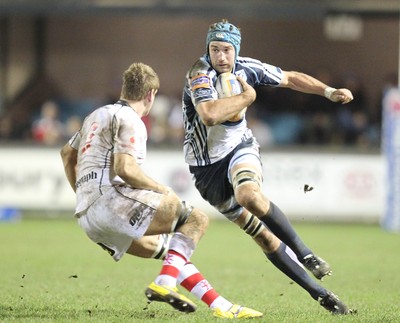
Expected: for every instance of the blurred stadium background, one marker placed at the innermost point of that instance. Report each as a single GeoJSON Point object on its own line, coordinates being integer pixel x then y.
{"type": "Point", "coordinates": [61, 59]}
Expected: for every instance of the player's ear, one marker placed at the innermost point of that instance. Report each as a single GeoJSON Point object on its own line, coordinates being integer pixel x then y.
{"type": "Point", "coordinates": [151, 94]}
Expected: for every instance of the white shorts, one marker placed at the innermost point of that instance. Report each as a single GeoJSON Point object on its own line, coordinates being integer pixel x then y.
{"type": "Point", "coordinates": [118, 217]}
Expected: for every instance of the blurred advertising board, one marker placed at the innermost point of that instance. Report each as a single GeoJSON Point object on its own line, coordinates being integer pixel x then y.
{"type": "Point", "coordinates": [341, 187]}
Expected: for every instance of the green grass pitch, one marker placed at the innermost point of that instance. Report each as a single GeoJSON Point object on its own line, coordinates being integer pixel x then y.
{"type": "Point", "coordinates": [51, 272]}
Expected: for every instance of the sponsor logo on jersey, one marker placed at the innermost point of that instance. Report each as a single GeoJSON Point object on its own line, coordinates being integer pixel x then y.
{"type": "Point", "coordinates": [86, 178]}
{"type": "Point", "coordinates": [199, 81]}
{"type": "Point", "coordinates": [201, 93]}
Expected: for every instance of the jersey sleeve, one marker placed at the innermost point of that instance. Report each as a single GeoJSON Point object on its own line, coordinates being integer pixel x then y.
{"type": "Point", "coordinates": [129, 135]}
{"type": "Point", "coordinates": [272, 75]}
{"type": "Point", "coordinates": [202, 89]}
{"type": "Point", "coordinates": [200, 82]}
{"type": "Point", "coordinates": [123, 134]}
{"type": "Point", "coordinates": [259, 73]}
{"type": "Point", "coordinates": [75, 140]}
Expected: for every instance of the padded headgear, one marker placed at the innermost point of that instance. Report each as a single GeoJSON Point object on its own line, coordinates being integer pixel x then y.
{"type": "Point", "coordinates": [226, 32]}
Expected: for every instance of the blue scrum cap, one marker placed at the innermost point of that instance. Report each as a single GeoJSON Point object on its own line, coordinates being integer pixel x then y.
{"type": "Point", "coordinates": [224, 31]}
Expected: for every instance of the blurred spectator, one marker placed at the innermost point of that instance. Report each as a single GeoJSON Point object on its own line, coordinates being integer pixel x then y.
{"type": "Point", "coordinates": [6, 129]}
{"type": "Point", "coordinates": [260, 129]}
{"type": "Point", "coordinates": [352, 118]}
{"type": "Point", "coordinates": [319, 114]}
{"type": "Point", "coordinates": [158, 119]}
{"type": "Point", "coordinates": [72, 125]}
{"type": "Point", "coordinates": [279, 118]}
{"type": "Point", "coordinates": [175, 122]}
{"type": "Point", "coordinates": [279, 109]}
{"type": "Point", "coordinates": [48, 129]}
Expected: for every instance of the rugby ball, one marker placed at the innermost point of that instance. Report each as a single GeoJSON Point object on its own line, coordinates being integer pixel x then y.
{"type": "Point", "coordinates": [227, 85]}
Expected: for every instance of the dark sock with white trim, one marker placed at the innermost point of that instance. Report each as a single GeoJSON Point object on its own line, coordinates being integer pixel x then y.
{"type": "Point", "coordinates": [293, 270]}
{"type": "Point", "coordinates": [279, 224]}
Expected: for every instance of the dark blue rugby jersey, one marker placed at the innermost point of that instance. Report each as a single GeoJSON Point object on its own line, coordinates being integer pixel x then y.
{"type": "Point", "coordinates": [206, 145]}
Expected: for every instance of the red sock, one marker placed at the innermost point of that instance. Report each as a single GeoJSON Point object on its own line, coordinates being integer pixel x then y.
{"type": "Point", "coordinates": [172, 265]}
{"type": "Point", "coordinates": [191, 279]}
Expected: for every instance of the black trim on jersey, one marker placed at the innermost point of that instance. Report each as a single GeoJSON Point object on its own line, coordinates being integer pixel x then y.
{"type": "Point", "coordinates": [201, 132]}
{"type": "Point", "coordinates": [123, 103]}
{"type": "Point", "coordinates": [197, 137]}
{"type": "Point", "coordinates": [232, 123]}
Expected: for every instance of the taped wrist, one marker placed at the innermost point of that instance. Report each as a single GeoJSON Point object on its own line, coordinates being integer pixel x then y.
{"type": "Point", "coordinates": [328, 92]}
{"type": "Point", "coordinates": [253, 226]}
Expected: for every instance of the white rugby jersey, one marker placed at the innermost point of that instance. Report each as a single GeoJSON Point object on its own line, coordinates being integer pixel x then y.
{"type": "Point", "coordinates": [114, 128]}
{"type": "Point", "coordinates": [205, 145]}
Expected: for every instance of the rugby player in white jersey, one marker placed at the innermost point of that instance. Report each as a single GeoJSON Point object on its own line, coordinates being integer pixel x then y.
{"type": "Point", "coordinates": [124, 210]}
{"type": "Point", "coordinates": [224, 159]}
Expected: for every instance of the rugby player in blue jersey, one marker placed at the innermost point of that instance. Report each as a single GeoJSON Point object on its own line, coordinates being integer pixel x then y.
{"type": "Point", "coordinates": [224, 158]}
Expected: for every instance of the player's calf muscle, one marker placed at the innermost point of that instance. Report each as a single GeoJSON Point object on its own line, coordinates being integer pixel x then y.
{"type": "Point", "coordinates": [267, 241]}
{"type": "Point", "coordinates": [195, 226]}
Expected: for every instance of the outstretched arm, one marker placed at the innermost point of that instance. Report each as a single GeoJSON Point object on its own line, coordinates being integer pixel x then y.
{"type": "Point", "coordinates": [307, 84]}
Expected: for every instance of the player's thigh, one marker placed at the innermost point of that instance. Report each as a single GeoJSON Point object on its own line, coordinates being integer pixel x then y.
{"type": "Point", "coordinates": [148, 212]}
{"type": "Point", "coordinates": [245, 172]}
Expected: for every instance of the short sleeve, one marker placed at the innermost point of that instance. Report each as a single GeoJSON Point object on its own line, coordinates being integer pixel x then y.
{"type": "Point", "coordinates": [75, 140]}
{"type": "Point", "coordinates": [129, 135]}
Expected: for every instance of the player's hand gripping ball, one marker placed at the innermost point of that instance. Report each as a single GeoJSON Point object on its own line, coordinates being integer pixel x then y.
{"type": "Point", "coordinates": [227, 85]}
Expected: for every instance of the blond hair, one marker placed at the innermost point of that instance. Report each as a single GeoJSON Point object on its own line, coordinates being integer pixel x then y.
{"type": "Point", "coordinates": [138, 80]}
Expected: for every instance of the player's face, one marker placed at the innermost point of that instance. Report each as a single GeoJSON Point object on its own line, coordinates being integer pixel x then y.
{"type": "Point", "coordinates": [222, 55]}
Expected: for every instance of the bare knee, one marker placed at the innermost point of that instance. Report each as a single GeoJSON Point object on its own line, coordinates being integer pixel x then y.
{"type": "Point", "coordinates": [196, 225]}
{"type": "Point", "coordinates": [199, 219]}
{"type": "Point", "coordinates": [251, 198]}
